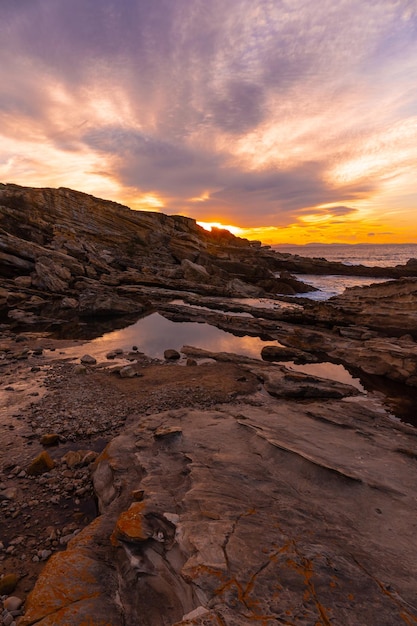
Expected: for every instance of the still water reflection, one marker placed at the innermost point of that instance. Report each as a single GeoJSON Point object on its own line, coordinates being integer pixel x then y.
{"type": "Point", "coordinates": [154, 334]}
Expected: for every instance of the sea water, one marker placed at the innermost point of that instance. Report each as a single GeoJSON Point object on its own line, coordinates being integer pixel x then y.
{"type": "Point", "coordinates": [371, 255]}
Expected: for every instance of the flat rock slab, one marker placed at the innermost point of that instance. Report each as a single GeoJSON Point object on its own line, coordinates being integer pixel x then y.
{"type": "Point", "coordinates": [265, 510]}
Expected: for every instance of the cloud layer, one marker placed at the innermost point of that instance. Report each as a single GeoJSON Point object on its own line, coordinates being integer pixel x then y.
{"type": "Point", "coordinates": [251, 112]}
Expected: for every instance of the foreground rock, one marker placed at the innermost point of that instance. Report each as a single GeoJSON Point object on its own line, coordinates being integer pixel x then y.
{"type": "Point", "coordinates": [258, 509]}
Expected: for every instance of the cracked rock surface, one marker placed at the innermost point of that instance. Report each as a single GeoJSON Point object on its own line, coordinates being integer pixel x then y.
{"type": "Point", "coordinates": [260, 509]}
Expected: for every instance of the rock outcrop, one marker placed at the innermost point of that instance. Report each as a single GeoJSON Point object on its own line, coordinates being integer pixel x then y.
{"type": "Point", "coordinates": [59, 244]}
{"type": "Point", "coordinates": [262, 509]}
{"type": "Point", "coordinates": [390, 308]}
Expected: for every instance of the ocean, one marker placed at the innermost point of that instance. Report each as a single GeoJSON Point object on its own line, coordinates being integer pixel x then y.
{"type": "Point", "coordinates": [380, 255]}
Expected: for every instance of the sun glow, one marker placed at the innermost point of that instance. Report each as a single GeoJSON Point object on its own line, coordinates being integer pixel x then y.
{"type": "Point", "coordinates": [235, 230]}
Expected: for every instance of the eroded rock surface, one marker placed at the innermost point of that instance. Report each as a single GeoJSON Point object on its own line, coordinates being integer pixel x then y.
{"type": "Point", "coordinates": [259, 509]}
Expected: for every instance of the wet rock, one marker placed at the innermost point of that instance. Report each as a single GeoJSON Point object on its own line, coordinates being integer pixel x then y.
{"type": "Point", "coordinates": [171, 355]}
{"type": "Point", "coordinates": [87, 359]}
{"type": "Point", "coordinates": [41, 464]}
{"type": "Point", "coordinates": [282, 353]}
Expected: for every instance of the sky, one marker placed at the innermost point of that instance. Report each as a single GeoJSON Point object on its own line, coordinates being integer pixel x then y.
{"type": "Point", "coordinates": [292, 121]}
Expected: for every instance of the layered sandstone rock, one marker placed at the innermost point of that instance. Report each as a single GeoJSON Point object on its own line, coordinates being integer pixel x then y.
{"type": "Point", "coordinates": [261, 510]}
{"type": "Point", "coordinates": [60, 243]}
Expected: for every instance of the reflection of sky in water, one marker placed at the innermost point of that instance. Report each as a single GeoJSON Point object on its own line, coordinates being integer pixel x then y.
{"type": "Point", "coordinates": [327, 370]}
{"type": "Point", "coordinates": [154, 334]}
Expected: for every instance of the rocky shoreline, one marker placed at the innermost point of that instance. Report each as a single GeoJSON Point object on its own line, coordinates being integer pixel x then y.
{"type": "Point", "coordinates": [205, 487]}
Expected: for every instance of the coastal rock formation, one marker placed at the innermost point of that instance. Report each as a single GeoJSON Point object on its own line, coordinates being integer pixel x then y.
{"type": "Point", "coordinates": [234, 490]}
{"type": "Point", "coordinates": [59, 244]}
{"type": "Point", "coordinates": [257, 509]}
{"type": "Point", "coordinates": [390, 308]}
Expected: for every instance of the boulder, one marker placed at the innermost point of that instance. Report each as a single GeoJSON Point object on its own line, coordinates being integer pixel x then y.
{"type": "Point", "coordinates": [171, 355]}
{"type": "Point", "coordinates": [193, 271]}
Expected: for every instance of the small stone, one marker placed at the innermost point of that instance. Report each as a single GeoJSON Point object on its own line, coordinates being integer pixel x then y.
{"type": "Point", "coordinates": [8, 494]}
{"type": "Point", "coordinates": [12, 603]}
{"type": "Point", "coordinates": [87, 359]}
{"type": "Point", "coordinates": [191, 362]}
{"type": "Point", "coordinates": [37, 351]}
{"type": "Point", "coordinates": [8, 584]}
{"type": "Point", "coordinates": [45, 554]}
{"type": "Point", "coordinates": [127, 372]}
{"type": "Point", "coordinates": [50, 439]}
{"type": "Point", "coordinates": [8, 619]}
{"type": "Point", "coordinates": [80, 369]}
{"type": "Point", "coordinates": [41, 464]}
{"type": "Point", "coordinates": [171, 355]}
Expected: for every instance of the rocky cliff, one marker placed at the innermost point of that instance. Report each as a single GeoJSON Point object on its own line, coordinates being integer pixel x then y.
{"type": "Point", "coordinates": [78, 252]}
{"type": "Point", "coordinates": [65, 254]}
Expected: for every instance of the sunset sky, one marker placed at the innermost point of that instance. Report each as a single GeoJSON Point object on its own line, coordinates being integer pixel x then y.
{"type": "Point", "coordinates": [295, 120]}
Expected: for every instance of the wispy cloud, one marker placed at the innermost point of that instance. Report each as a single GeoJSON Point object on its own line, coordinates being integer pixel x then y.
{"type": "Point", "coordinates": [254, 112]}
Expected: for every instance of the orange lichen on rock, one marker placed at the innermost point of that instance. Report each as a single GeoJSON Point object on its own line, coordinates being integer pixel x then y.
{"type": "Point", "coordinates": [132, 524]}
{"type": "Point", "coordinates": [68, 578]}
{"type": "Point", "coordinates": [41, 464]}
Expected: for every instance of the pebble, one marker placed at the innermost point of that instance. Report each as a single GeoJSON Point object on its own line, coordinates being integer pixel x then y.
{"type": "Point", "coordinates": [44, 554]}
{"type": "Point", "coordinates": [8, 619]}
{"type": "Point", "coordinates": [12, 603]}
